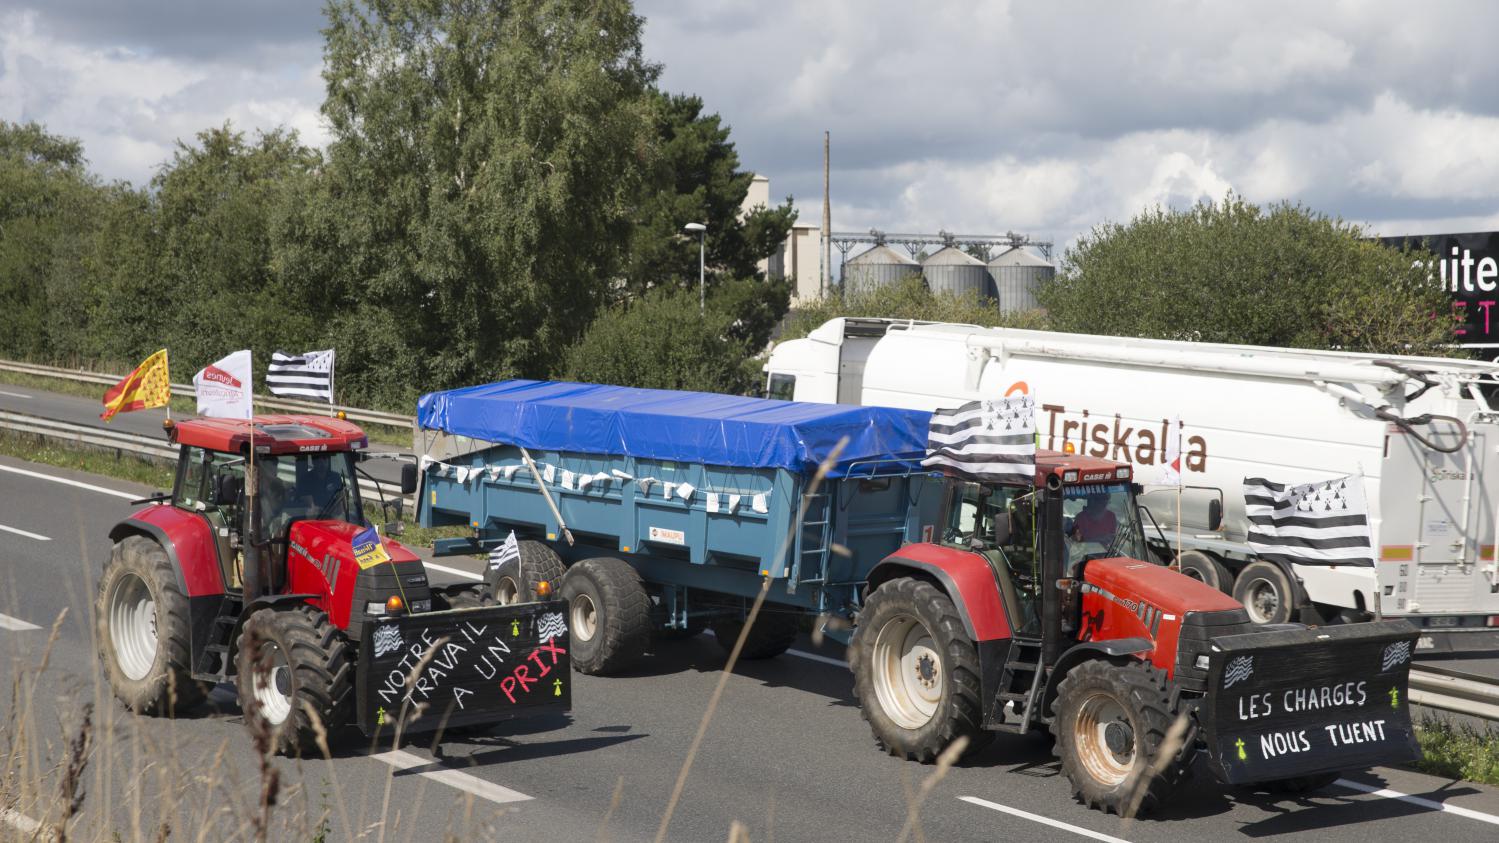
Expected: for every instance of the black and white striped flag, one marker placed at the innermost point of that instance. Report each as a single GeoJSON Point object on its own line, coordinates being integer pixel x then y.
{"type": "Point", "coordinates": [508, 551]}
{"type": "Point", "coordinates": [988, 441]}
{"type": "Point", "coordinates": [1322, 523]}
{"type": "Point", "coordinates": [307, 375]}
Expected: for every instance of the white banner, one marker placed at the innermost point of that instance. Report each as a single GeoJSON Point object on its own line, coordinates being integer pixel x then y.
{"type": "Point", "coordinates": [224, 388]}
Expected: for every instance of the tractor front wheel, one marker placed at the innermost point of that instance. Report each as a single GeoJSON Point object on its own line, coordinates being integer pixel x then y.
{"type": "Point", "coordinates": [141, 624]}
{"type": "Point", "coordinates": [290, 661]}
{"type": "Point", "coordinates": [609, 615]}
{"type": "Point", "coordinates": [1110, 727]}
{"type": "Point", "coordinates": [916, 671]}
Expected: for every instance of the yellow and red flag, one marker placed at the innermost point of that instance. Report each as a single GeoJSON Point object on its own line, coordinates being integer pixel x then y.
{"type": "Point", "coordinates": [146, 387]}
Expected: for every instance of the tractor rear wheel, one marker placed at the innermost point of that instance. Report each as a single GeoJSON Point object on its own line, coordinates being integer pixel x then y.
{"type": "Point", "coordinates": [609, 615]}
{"type": "Point", "coordinates": [772, 634]}
{"type": "Point", "coordinates": [1265, 590]}
{"type": "Point", "coordinates": [916, 672]}
{"type": "Point", "coordinates": [1110, 726]}
{"type": "Point", "coordinates": [291, 660]}
{"type": "Point", "coordinates": [515, 582]}
{"type": "Point", "coordinates": [141, 624]}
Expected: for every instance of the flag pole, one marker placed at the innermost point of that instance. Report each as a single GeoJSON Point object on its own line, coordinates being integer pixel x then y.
{"type": "Point", "coordinates": [1178, 562]}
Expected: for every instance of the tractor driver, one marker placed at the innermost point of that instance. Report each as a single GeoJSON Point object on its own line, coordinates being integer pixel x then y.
{"type": "Point", "coordinates": [317, 487]}
{"type": "Point", "coordinates": [1096, 522]}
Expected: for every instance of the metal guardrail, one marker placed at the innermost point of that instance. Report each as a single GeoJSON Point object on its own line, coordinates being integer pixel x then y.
{"type": "Point", "coordinates": [182, 390]}
{"type": "Point", "coordinates": [1456, 691]}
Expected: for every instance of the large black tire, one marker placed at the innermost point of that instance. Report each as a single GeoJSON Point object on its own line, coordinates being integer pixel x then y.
{"type": "Point", "coordinates": [1207, 570]}
{"type": "Point", "coordinates": [1266, 592]}
{"type": "Point", "coordinates": [1110, 723]}
{"type": "Point", "coordinates": [288, 657]}
{"type": "Point", "coordinates": [468, 597]}
{"type": "Point", "coordinates": [772, 634]}
{"type": "Point", "coordinates": [142, 628]}
{"type": "Point", "coordinates": [609, 615]}
{"type": "Point", "coordinates": [916, 672]}
{"type": "Point", "coordinates": [515, 582]}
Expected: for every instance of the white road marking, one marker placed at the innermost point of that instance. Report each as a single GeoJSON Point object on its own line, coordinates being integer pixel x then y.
{"type": "Point", "coordinates": [25, 825]}
{"type": "Point", "coordinates": [1027, 815]}
{"type": "Point", "coordinates": [129, 496]}
{"type": "Point", "coordinates": [454, 571]}
{"type": "Point", "coordinates": [403, 760]}
{"type": "Point", "coordinates": [13, 394]}
{"type": "Point", "coordinates": [38, 536]}
{"type": "Point", "coordinates": [16, 624]}
{"type": "Point", "coordinates": [1416, 800]}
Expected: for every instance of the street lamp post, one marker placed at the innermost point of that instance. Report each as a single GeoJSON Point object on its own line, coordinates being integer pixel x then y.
{"type": "Point", "coordinates": [702, 240]}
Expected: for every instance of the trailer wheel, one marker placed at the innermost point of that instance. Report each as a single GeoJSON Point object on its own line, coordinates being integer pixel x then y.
{"type": "Point", "coordinates": [141, 625]}
{"type": "Point", "coordinates": [1205, 569]}
{"type": "Point", "coordinates": [537, 563]}
{"type": "Point", "coordinates": [288, 660]}
{"type": "Point", "coordinates": [609, 614]}
{"type": "Point", "coordinates": [772, 634]}
{"type": "Point", "coordinates": [916, 672]}
{"type": "Point", "coordinates": [1265, 590]}
{"type": "Point", "coordinates": [1110, 723]}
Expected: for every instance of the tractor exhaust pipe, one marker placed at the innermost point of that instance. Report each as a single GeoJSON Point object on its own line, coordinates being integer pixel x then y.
{"type": "Point", "coordinates": [253, 539]}
{"type": "Point", "coordinates": [1053, 553]}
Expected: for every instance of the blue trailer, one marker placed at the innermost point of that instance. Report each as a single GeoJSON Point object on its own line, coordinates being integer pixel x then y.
{"type": "Point", "coordinates": [678, 505]}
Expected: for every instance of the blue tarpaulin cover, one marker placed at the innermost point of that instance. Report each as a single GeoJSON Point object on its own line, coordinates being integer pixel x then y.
{"type": "Point", "coordinates": [700, 427]}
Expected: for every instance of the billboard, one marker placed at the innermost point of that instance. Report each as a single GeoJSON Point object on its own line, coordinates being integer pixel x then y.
{"type": "Point", "coordinates": [1468, 269]}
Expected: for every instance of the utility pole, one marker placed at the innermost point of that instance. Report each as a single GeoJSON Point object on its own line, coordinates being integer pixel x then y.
{"type": "Point", "coordinates": [825, 278]}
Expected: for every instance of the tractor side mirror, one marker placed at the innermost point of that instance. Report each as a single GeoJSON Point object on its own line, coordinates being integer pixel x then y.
{"type": "Point", "coordinates": [1215, 514]}
{"type": "Point", "coordinates": [408, 478]}
{"type": "Point", "coordinates": [227, 490]}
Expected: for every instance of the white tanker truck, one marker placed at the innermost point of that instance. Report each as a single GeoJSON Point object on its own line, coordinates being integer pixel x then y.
{"type": "Point", "coordinates": [1420, 430]}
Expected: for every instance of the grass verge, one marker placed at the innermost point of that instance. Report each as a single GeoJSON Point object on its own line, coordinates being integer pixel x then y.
{"type": "Point", "coordinates": [121, 467]}
{"type": "Point", "coordinates": [1458, 750]}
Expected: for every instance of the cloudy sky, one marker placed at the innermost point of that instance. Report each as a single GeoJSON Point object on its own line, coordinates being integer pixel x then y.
{"type": "Point", "coordinates": [979, 117]}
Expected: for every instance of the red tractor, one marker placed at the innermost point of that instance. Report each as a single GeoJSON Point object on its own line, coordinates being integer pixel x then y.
{"type": "Point", "coordinates": [261, 567]}
{"type": "Point", "coordinates": [1035, 608]}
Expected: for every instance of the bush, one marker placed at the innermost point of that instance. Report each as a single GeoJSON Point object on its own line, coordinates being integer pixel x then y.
{"type": "Point", "coordinates": [1232, 272]}
{"type": "Point", "coordinates": [908, 299]}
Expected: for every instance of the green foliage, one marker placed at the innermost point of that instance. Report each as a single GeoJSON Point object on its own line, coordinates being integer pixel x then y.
{"type": "Point", "coordinates": [1459, 751]}
{"type": "Point", "coordinates": [661, 341]}
{"type": "Point", "coordinates": [1232, 272]}
{"type": "Point", "coordinates": [908, 299]}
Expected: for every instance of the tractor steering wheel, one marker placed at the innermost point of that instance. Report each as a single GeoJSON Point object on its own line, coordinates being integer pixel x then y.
{"type": "Point", "coordinates": [337, 496]}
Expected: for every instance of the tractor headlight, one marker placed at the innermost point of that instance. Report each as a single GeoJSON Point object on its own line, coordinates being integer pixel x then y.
{"type": "Point", "coordinates": [1202, 662]}
{"type": "Point", "coordinates": [375, 607]}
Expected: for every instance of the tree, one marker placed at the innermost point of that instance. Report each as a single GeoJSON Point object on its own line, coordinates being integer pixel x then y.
{"type": "Point", "coordinates": [660, 341]}
{"type": "Point", "coordinates": [907, 299]}
{"type": "Point", "coordinates": [485, 164]}
{"type": "Point", "coordinates": [1232, 272]}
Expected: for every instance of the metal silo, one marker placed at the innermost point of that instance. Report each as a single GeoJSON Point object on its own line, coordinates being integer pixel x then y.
{"type": "Point", "coordinates": [881, 266]}
{"type": "Point", "coordinates": [953, 270]}
{"type": "Point", "coordinates": [1017, 275]}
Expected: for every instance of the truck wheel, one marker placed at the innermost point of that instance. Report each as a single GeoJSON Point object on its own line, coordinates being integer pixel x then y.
{"type": "Point", "coordinates": [609, 614]}
{"type": "Point", "coordinates": [1265, 590]}
{"type": "Point", "coordinates": [1207, 570]}
{"type": "Point", "coordinates": [537, 563]}
{"type": "Point", "coordinates": [1110, 723]}
{"type": "Point", "coordinates": [289, 657]}
{"type": "Point", "coordinates": [772, 634]}
{"type": "Point", "coordinates": [141, 625]}
{"type": "Point", "coordinates": [916, 671]}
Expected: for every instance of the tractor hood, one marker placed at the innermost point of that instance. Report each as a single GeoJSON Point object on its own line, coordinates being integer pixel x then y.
{"type": "Point", "coordinates": [1164, 589]}
{"type": "Point", "coordinates": [317, 540]}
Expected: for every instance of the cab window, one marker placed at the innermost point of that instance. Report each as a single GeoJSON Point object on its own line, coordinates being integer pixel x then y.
{"type": "Point", "coordinates": [999, 522]}
{"type": "Point", "coordinates": [1100, 520]}
{"type": "Point", "coordinates": [781, 387]}
{"type": "Point", "coordinates": [190, 477]}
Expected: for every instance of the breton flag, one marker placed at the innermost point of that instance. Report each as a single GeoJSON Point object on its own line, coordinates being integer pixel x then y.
{"type": "Point", "coordinates": [987, 441]}
{"type": "Point", "coordinates": [1171, 471]}
{"type": "Point", "coordinates": [508, 551]}
{"type": "Point", "coordinates": [145, 387]}
{"type": "Point", "coordinates": [1322, 523]}
{"type": "Point", "coordinates": [224, 388]}
{"type": "Point", "coordinates": [307, 375]}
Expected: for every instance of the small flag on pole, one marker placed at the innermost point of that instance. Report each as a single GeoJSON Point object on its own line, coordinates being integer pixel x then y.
{"type": "Point", "coordinates": [988, 441]}
{"type": "Point", "coordinates": [1171, 471]}
{"type": "Point", "coordinates": [307, 375]}
{"type": "Point", "coordinates": [146, 387]}
{"type": "Point", "coordinates": [508, 551]}
{"type": "Point", "coordinates": [1322, 523]}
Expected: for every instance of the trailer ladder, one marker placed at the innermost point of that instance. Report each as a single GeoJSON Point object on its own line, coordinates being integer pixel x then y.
{"type": "Point", "coordinates": [818, 508]}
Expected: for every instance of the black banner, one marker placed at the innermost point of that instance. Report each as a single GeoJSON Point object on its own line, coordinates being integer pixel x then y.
{"type": "Point", "coordinates": [1305, 701]}
{"type": "Point", "coordinates": [486, 665]}
{"type": "Point", "coordinates": [1467, 267]}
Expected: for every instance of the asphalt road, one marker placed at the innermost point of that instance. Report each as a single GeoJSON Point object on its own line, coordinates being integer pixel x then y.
{"type": "Point", "coordinates": [786, 754]}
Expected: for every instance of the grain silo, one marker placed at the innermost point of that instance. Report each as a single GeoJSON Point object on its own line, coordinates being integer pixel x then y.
{"type": "Point", "coordinates": [881, 266]}
{"type": "Point", "coordinates": [1017, 275]}
{"type": "Point", "coordinates": [953, 270]}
